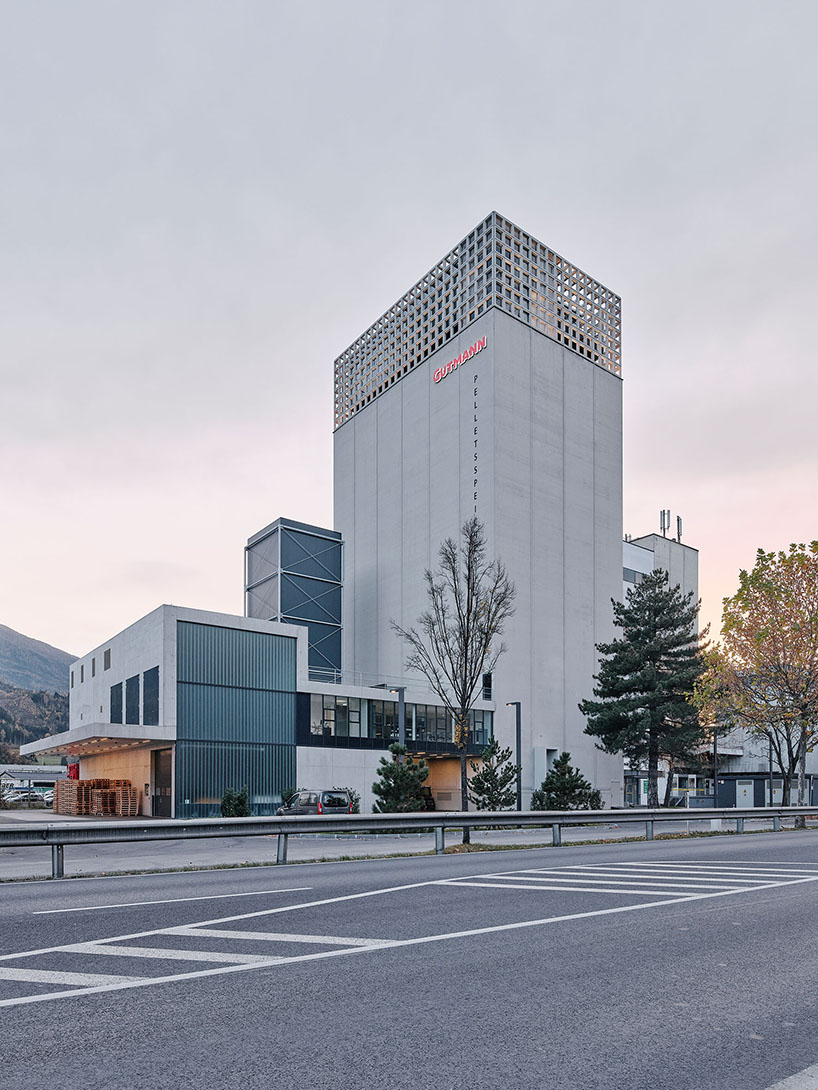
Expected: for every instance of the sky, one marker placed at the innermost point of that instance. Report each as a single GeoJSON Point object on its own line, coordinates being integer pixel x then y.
{"type": "Point", "coordinates": [202, 203]}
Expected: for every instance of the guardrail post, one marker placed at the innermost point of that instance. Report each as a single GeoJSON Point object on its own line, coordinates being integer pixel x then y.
{"type": "Point", "coordinates": [57, 867]}
{"type": "Point", "coordinates": [648, 830]}
{"type": "Point", "coordinates": [556, 835]}
{"type": "Point", "coordinates": [776, 823]}
{"type": "Point", "coordinates": [739, 825]}
{"type": "Point", "coordinates": [281, 852]}
{"type": "Point", "coordinates": [440, 841]}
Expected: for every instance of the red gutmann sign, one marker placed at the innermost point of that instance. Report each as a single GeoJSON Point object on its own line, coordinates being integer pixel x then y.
{"type": "Point", "coordinates": [466, 354]}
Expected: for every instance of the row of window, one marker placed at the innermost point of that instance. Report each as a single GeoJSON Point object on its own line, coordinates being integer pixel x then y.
{"type": "Point", "coordinates": [129, 702]}
{"type": "Point", "coordinates": [349, 717]}
{"type": "Point", "coordinates": [106, 665]}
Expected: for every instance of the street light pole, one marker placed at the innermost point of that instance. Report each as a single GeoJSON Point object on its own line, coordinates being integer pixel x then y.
{"type": "Point", "coordinates": [516, 705]}
{"type": "Point", "coordinates": [400, 690]}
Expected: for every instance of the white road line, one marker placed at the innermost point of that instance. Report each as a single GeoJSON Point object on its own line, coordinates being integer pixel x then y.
{"type": "Point", "coordinates": [666, 876]}
{"type": "Point", "coordinates": [243, 916]}
{"type": "Point", "coordinates": [271, 936]}
{"type": "Point", "coordinates": [348, 951]}
{"type": "Point", "coordinates": [696, 868]}
{"type": "Point", "coordinates": [580, 889]}
{"type": "Point", "coordinates": [169, 901]}
{"type": "Point", "coordinates": [45, 976]}
{"type": "Point", "coordinates": [801, 1080]}
{"type": "Point", "coordinates": [673, 883]}
{"type": "Point", "coordinates": [169, 954]}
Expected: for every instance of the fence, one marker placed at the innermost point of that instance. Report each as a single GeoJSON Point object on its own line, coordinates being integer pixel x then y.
{"type": "Point", "coordinates": [58, 835]}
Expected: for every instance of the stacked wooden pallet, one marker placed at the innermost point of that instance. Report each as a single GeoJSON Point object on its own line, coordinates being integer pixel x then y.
{"type": "Point", "coordinates": [127, 801]}
{"type": "Point", "coordinates": [103, 802]}
{"type": "Point", "coordinates": [98, 797]}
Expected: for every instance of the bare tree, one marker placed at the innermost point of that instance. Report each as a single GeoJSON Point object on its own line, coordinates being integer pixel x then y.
{"type": "Point", "coordinates": [455, 641]}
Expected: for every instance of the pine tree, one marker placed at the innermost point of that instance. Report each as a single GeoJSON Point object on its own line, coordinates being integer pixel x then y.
{"type": "Point", "coordinates": [494, 784]}
{"type": "Point", "coordinates": [565, 788]}
{"type": "Point", "coordinates": [646, 679]}
{"type": "Point", "coordinates": [399, 783]}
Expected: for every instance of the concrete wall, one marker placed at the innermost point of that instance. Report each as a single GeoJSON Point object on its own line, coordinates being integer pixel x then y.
{"type": "Point", "coordinates": [528, 436]}
{"type": "Point", "coordinates": [679, 561]}
{"type": "Point", "coordinates": [321, 768]}
{"type": "Point", "coordinates": [133, 765]}
{"type": "Point", "coordinates": [137, 648]}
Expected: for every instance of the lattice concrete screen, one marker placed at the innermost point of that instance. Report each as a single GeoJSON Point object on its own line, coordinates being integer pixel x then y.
{"type": "Point", "coordinates": [496, 265]}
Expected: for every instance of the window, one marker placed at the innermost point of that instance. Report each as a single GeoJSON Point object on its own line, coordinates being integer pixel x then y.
{"type": "Point", "coordinates": [93, 667]}
{"type": "Point", "coordinates": [132, 700]}
{"type": "Point", "coordinates": [150, 697]}
{"type": "Point", "coordinates": [106, 659]}
{"type": "Point", "coordinates": [487, 687]}
{"type": "Point", "coordinates": [116, 703]}
{"type": "Point", "coordinates": [72, 679]}
{"type": "Point", "coordinates": [82, 673]}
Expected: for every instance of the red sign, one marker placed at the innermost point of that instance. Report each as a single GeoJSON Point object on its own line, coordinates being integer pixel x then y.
{"type": "Point", "coordinates": [452, 365]}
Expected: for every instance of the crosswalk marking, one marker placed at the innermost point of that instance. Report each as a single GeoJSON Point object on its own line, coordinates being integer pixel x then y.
{"type": "Point", "coordinates": [692, 884]}
{"type": "Point", "coordinates": [272, 936]}
{"type": "Point", "coordinates": [166, 954]}
{"type": "Point", "coordinates": [713, 868]}
{"type": "Point", "coordinates": [566, 889]}
{"type": "Point", "coordinates": [639, 879]}
{"type": "Point", "coordinates": [48, 976]}
{"type": "Point", "coordinates": [647, 885]}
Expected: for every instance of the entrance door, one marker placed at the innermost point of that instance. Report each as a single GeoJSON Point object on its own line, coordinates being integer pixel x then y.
{"type": "Point", "coordinates": [162, 760]}
{"type": "Point", "coordinates": [745, 795]}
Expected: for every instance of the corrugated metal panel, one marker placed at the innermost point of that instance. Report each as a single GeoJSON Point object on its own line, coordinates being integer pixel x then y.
{"type": "Point", "coordinates": [216, 713]}
{"type": "Point", "coordinates": [205, 770]}
{"type": "Point", "coordinates": [229, 656]}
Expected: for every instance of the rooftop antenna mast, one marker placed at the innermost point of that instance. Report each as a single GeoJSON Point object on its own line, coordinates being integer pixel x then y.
{"type": "Point", "coordinates": [679, 528]}
{"type": "Point", "coordinates": [664, 521]}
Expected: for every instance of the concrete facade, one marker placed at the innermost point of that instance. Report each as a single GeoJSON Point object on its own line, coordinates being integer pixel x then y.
{"type": "Point", "coordinates": [527, 435]}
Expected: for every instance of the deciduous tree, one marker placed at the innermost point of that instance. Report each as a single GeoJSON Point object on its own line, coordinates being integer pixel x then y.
{"type": "Point", "coordinates": [457, 639]}
{"type": "Point", "coordinates": [764, 676]}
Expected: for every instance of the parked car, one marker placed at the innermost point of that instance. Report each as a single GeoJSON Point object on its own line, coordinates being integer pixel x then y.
{"type": "Point", "coordinates": [316, 802]}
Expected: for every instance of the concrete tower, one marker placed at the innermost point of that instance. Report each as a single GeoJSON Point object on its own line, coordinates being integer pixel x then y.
{"type": "Point", "coordinates": [491, 388]}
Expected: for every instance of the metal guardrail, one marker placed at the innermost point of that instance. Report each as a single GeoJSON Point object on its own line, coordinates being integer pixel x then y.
{"type": "Point", "coordinates": [57, 835]}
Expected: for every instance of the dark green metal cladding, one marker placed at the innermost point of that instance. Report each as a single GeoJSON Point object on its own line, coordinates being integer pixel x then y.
{"type": "Point", "coordinates": [227, 656]}
{"type": "Point", "coordinates": [205, 770]}
{"type": "Point", "coordinates": [235, 717]}
{"type": "Point", "coordinates": [220, 713]}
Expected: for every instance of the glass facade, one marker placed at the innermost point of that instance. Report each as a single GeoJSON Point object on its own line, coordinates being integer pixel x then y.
{"type": "Point", "coordinates": [293, 574]}
{"type": "Point", "coordinates": [373, 724]}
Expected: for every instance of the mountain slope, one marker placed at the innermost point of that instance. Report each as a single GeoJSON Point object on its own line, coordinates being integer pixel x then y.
{"type": "Point", "coordinates": [31, 664]}
{"type": "Point", "coordinates": [26, 716]}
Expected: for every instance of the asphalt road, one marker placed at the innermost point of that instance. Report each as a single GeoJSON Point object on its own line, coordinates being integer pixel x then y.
{"type": "Point", "coordinates": [93, 859]}
{"type": "Point", "coordinates": [650, 965]}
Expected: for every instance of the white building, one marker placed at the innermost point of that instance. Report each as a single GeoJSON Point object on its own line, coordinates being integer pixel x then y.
{"type": "Point", "coordinates": [492, 388]}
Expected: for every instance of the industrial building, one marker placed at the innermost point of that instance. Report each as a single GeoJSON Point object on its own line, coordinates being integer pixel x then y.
{"type": "Point", "coordinates": [492, 387]}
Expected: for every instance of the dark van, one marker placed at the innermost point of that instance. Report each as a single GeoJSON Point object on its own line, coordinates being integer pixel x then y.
{"type": "Point", "coordinates": [316, 802]}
